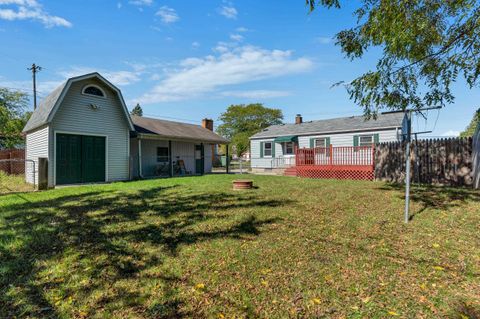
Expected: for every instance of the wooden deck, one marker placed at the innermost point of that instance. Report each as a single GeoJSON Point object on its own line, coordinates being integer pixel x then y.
{"type": "Point", "coordinates": [354, 162]}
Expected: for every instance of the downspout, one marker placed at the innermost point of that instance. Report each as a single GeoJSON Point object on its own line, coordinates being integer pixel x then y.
{"type": "Point", "coordinates": [140, 157]}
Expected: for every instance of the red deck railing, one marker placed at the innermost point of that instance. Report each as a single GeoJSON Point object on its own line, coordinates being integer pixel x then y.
{"type": "Point", "coordinates": [344, 162]}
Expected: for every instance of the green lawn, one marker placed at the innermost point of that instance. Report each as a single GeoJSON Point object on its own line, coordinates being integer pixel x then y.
{"type": "Point", "coordinates": [192, 247]}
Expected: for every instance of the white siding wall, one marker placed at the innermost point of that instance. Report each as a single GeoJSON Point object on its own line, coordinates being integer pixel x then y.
{"type": "Point", "coordinates": [75, 116]}
{"type": "Point", "coordinates": [36, 146]}
{"type": "Point", "coordinates": [346, 139]}
{"type": "Point", "coordinates": [186, 152]}
{"type": "Point", "coordinates": [208, 158]}
{"type": "Point", "coordinates": [343, 139]}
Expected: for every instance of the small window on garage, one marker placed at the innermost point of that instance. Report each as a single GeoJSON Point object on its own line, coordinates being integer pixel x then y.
{"type": "Point", "coordinates": [93, 90]}
{"type": "Point", "coordinates": [162, 154]}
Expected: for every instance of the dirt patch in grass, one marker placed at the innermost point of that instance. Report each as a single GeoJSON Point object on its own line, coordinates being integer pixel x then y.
{"type": "Point", "coordinates": [192, 247]}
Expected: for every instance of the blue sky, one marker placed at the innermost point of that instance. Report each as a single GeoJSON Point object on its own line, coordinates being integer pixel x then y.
{"type": "Point", "coordinates": [186, 60]}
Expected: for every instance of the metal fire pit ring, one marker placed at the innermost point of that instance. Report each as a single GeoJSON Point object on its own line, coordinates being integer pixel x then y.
{"type": "Point", "coordinates": [242, 184]}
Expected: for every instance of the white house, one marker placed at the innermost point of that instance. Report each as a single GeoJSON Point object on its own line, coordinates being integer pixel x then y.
{"type": "Point", "coordinates": [84, 130]}
{"type": "Point", "coordinates": [274, 147]}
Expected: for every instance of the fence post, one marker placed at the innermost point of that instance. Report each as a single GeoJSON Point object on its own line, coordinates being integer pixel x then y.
{"type": "Point", "coordinates": [331, 154]}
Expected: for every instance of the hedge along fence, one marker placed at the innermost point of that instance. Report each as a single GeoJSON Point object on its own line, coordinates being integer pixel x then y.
{"type": "Point", "coordinates": [435, 161]}
{"type": "Point", "coordinates": [15, 167]}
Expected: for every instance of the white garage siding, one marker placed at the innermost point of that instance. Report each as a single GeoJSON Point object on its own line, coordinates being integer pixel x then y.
{"type": "Point", "coordinates": [76, 116]}
{"type": "Point", "coordinates": [36, 146]}
{"type": "Point", "coordinates": [342, 139]}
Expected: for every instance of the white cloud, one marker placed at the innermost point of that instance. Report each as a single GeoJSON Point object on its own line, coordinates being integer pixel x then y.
{"type": "Point", "coordinates": [256, 94]}
{"type": "Point", "coordinates": [323, 40]}
{"type": "Point", "coordinates": [141, 2]}
{"type": "Point", "coordinates": [195, 44]}
{"type": "Point", "coordinates": [228, 11]}
{"type": "Point", "coordinates": [121, 78]}
{"type": "Point", "coordinates": [197, 76]}
{"type": "Point", "coordinates": [30, 10]}
{"type": "Point", "coordinates": [236, 37]}
{"type": "Point", "coordinates": [167, 15]}
{"type": "Point", "coordinates": [451, 133]}
{"type": "Point", "coordinates": [119, 5]}
{"type": "Point", "coordinates": [242, 29]}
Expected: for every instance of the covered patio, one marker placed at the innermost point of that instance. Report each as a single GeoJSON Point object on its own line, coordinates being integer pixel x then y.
{"type": "Point", "coordinates": [162, 148]}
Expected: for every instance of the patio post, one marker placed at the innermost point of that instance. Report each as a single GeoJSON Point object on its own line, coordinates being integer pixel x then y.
{"type": "Point", "coordinates": [227, 160]}
{"type": "Point", "coordinates": [170, 163]}
{"type": "Point", "coordinates": [140, 157]}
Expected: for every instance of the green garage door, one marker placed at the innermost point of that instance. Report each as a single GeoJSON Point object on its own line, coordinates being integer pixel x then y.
{"type": "Point", "coordinates": [80, 159]}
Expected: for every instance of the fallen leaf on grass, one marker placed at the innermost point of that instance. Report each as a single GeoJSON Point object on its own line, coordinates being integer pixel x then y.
{"type": "Point", "coordinates": [393, 313]}
{"type": "Point", "coordinates": [438, 268]}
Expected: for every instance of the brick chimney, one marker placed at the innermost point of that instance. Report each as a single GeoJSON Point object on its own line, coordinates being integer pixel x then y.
{"type": "Point", "coordinates": [208, 124]}
{"type": "Point", "coordinates": [298, 119]}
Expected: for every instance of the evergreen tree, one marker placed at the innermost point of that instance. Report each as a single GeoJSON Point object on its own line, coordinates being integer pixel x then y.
{"type": "Point", "coordinates": [137, 110]}
{"type": "Point", "coordinates": [472, 127]}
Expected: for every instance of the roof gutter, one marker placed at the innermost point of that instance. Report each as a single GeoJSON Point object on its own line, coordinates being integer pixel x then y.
{"type": "Point", "coordinates": [177, 138]}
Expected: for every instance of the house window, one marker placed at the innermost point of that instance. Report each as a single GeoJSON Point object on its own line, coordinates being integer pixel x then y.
{"type": "Point", "coordinates": [320, 142]}
{"type": "Point", "coordinates": [267, 149]}
{"type": "Point", "coordinates": [93, 90]}
{"type": "Point", "coordinates": [365, 140]}
{"type": "Point", "coordinates": [287, 148]}
{"type": "Point", "coordinates": [162, 154]}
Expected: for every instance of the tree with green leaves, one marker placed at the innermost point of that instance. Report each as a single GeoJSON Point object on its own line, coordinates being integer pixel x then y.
{"type": "Point", "coordinates": [472, 127]}
{"type": "Point", "coordinates": [427, 45]}
{"type": "Point", "coordinates": [137, 110]}
{"type": "Point", "coordinates": [239, 122]}
{"type": "Point", "coordinates": [13, 117]}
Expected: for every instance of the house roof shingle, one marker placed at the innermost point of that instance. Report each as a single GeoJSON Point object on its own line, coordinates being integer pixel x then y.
{"type": "Point", "coordinates": [337, 125]}
{"type": "Point", "coordinates": [175, 130]}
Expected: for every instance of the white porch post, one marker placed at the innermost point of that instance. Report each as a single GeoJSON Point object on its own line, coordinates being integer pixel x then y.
{"type": "Point", "coordinates": [140, 174]}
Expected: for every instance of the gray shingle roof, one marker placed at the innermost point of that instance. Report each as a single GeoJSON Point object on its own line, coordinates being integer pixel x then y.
{"type": "Point", "coordinates": [40, 115]}
{"type": "Point", "coordinates": [175, 130]}
{"type": "Point", "coordinates": [337, 125]}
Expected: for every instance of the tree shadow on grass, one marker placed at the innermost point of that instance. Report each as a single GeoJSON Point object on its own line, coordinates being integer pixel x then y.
{"type": "Point", "coordinates": [435, 197]}
{"type": "Point", "coordinates": [104, 237]}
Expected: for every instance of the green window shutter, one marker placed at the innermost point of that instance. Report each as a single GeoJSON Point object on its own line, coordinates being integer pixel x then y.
{"type": "Point", "coordinates": [312, 143]}
{"type": "Point", "coordinates": [327, 141]}
{"type": "Point", "coordinates": [273, 149]}
{"type": "Point", "coordinates": [376, 138]}
{"type": "Point", "coordinates": [355, 140]}
{"type": "Point", "coordinates": [261, 149]}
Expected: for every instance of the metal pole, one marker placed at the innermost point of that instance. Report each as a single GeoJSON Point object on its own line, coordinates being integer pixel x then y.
{"type": "Point", "coordinates": [407, 177]}
{"type": "Point", "coordinates": [407, 183]}
{"type": "Point", "coordinates": [227, 161]}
